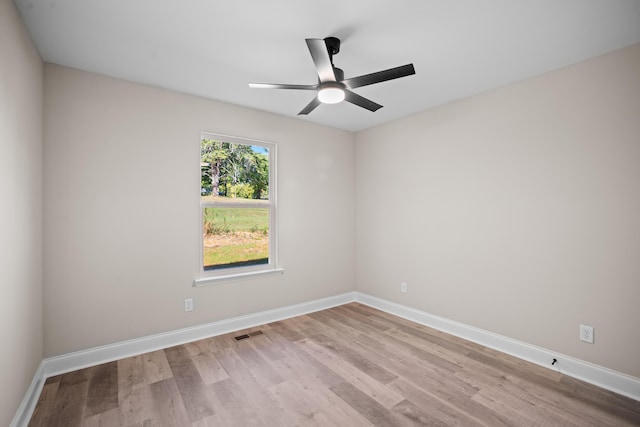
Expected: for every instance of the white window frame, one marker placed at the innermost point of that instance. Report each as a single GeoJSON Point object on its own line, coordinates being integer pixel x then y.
{"type": "Point", "coordinates": [229, 274]}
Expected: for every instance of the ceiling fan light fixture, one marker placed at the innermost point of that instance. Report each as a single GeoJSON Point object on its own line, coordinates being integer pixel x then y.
{"type": "Point", "coordinates": [331, 93]}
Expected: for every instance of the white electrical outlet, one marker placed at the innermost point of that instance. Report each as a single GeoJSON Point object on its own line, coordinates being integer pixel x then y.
{"type": "Point", "coordinates": [586, 333]}
{"type": "Point", "coordinates": [188, 304]}
{"type": "Point", "coordinates": [403, 287]}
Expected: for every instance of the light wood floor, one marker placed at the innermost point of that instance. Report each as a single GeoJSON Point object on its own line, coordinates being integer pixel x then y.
{"type": "Point", "coordinates": [346, 366]}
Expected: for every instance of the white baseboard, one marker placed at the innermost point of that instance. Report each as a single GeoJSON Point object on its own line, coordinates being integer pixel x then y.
{"type": "Point", "coordinates": [617, 382]}
{"type": "Point", "coordinates": [597, 375]}
{"type": "Point", "coordinates": [28, 404]}
{"type": "Point", "coordinates": [107, 353]}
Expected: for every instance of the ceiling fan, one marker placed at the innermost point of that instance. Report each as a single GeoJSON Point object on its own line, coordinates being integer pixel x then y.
{"type": "Point", "coordinates": [332, 87]}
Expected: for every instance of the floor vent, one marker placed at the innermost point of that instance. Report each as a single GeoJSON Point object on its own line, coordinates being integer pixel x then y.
{"type": "Point", "coordinates": [249, 335]}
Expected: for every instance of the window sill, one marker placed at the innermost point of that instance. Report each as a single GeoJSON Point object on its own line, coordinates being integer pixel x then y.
{"type": "Point", "coordinates": [215, 280]}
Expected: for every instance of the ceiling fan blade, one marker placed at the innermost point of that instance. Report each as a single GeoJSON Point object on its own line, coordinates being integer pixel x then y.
{"type": "Point", "coordinates": [361, 101]}
{"type": "Point", "coordinates": [380, 76]}
{"type": "Point", "coordinates": [282, 86]}
{"type": "Point", "coordinates": [310, 107]}
{"type": "Point", "coordinates": [320, 56]}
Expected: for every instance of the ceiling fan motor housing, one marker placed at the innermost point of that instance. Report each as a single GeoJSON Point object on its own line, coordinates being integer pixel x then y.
{"type": "Point", "coordinates": [333, 45]}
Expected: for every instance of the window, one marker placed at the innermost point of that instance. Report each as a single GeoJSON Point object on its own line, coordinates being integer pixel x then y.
{"type": "Point", "coordinates": [237, 208]}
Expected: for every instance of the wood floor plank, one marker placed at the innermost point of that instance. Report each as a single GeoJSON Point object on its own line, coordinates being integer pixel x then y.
{"type": "Point", "coordinates": [258, 365]}
{"type": "Point", "coordinates": [448, 408]}
{"type": "Point", "coordinates": [458, 358]}
{"type": "Point", "coordinates": [416, 415]}
{"type": "Point", "coordinates": [197, 347]}
{"type": "Point", "coordinates": [234, 405]}
{"type": "Point", "coordinates": [377, 414]}
{"type": "Point", "coordinates": [341, 323]}
{"type": "Point", "coordinates": [209, 368]}
{"type": "Point", "coordinates": [428, 356]}
{"type": "Point", "coordinates": [302, 405]}
{"type": "Point", "coordinates": [156, 367]}
{"type": "Point", "coordinates": [512, 366]}
{"type": "Point", "coordinates": [255, 396]}
{"type": "Point", "coordinates": [68, 409]}
{"type": "Point", "coordinates": [363, 317]}
{"type": "Point", "coordinates": [350, 365]}
{"type": "Point", "coordinates": [359, 360]}
{"type": "Point", "coordinates": [53, 379]}
{"type": "Point", "coordinates": [267, 347]}
{"type": "Point", "coordinates": [168, 408]}
{"type": "Point", "coordinates": [575, 410]}
{"type": "Point", "coordinates": [134, 399]}
{"type": "Point", "coordinates": [600, 399]}
{"type": "Point", "coordinates": [102, 391]}
{"type": "Point", "coordinates": [430, 335]}
{"type": "Point", "coordinates": [401, 362]}
{"type": "Point", "coordinates": [201, 352]}
{"type": "Point", "coordinates": [300, 365]}
{"type": "Point", "coordinates": [400, 348]}
{"type": "Point", "coordinates": [111, 417]}
{"type": "Point", "coordinates": [135, 406]}
{"type": "Point", "coordinates": [312, 403]}
{"type": "Point", "coordinates": [189, 383]}
{"type": "Point", "coordinates": [45, 404]}
{"type": "Point", "coordinates": [517, 410]}
{"type": "Point", "coordinates": [285, 329]}
{"type": "Point", "coordinates": [373, 388]}
{"type": "Point", "coordinates": [131, 374]}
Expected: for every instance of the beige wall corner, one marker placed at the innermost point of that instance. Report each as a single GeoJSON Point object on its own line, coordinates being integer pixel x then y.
{"type": "Point", "coordinates": [21, 212]}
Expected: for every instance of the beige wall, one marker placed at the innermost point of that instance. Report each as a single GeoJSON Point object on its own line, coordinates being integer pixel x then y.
{"type": "Point", "coordinates": [20, 211]}
{"type": "Point", "coordinates": [121, 210]}
{"type": "Point", "coordinates": [516, 211]}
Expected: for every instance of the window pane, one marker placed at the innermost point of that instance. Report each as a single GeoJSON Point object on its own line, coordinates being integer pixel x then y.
{"type": "Point", "coordinates": [235, 237]}
{"type": "Point", "coordinates": [235, 171]}
{"type": "Point", "coordinates": [237, 204]}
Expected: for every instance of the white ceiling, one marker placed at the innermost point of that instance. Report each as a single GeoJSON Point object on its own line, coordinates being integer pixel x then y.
{"type": "Point", "coordinates": [213, 48]}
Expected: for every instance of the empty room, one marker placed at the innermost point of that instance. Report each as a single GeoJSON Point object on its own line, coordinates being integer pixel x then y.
{"type": "Point", "coordinates": [323, 214]}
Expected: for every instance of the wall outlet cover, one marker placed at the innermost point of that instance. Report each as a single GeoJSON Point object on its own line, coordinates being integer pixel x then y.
{"type": "Point", "coordinates": [586, 333]}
